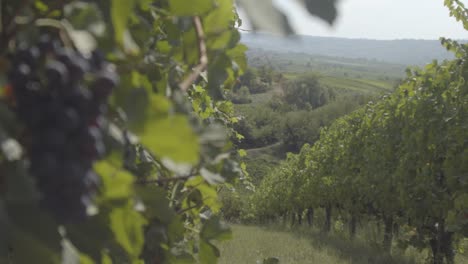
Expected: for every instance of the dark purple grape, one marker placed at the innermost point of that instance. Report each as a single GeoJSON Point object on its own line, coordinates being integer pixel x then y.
{"type": "Point", "coordinates": [53, 139]}
{"type": "Point", "coordinates": [20, 76]}
{"type": "Point", "coordinates": [57, 75]}
{"type": "Point", "coordinates": [97, 60]}
{"type": "Point", "coordinates": [44, 163]}
{"type": "Point", "coordinates": [104, 84]}
{"type": "Point", "coordinates": [47, 45]}
{"type": "Point", "coordinates": [79, 99]}
{"type": "Point", "coordinates": [92, 145]}
{"type": "Point", "coordinates": [78, 69]}
{"type": "Point", "coordinates": [76, 65]}
{"type": "Point", "coordinates": [26, 55]}
{"type": "Point", "coordinates": [65, 122]}
{"type": "Point", "coordinates": [65, 56]}
{"type": "Point", "coordinates": [91, 180]}
{"type": "Point", "coordinates": [69, 119]}
{"type": "Point", "coordinates": [24, 70]}
{"type": "Point", "coordinates": [66, 209]}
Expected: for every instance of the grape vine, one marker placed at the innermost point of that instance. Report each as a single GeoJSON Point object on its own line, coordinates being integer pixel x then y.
{"type": "Point", "coordinates": [401, 161]}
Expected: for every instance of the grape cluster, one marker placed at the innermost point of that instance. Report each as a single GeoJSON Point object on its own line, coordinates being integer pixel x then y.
{"type": "Point", "coordinates": [61, 97]}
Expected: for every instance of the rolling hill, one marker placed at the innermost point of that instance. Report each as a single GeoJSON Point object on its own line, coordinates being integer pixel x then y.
{"type": "Point", "coordinates": [404, 51]}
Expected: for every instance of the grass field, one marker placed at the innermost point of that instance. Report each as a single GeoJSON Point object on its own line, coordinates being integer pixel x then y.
{"type": "Point", "coordinates": [358, 85]}
{"type": "Point", "coordinates": [251, 244]}
{"type": "Point", "coordinates": [293, 63]}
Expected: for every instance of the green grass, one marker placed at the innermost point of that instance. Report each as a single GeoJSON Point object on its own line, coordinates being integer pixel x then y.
{"type": "Point", "coordinates": [358, 85]}
{"type": "Point", "coordinates": [261, 97]}
{"type": "Point", "coordinates": [252, 244]}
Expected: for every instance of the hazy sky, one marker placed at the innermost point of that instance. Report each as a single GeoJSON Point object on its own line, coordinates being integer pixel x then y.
{"type": "Point", "coordinates": [381, 19]}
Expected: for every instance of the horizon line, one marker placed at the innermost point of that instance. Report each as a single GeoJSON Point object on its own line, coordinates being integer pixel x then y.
{"type": "Point", "coordinates": [292, 36]}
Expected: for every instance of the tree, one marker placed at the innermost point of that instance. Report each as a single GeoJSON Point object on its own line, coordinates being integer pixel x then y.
{"type": "Point", "coordinates": [249, 77]}
{"type": "Point", "coordinates": [306, 92]}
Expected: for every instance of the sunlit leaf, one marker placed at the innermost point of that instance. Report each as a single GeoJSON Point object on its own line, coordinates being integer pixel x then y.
{"type": "Point", "coordinates": [237, 54]}
{"type": "Point", "coordinates": [116, 183]}
{"type": "Point", "coordinates": [127, 225]}
{"type": "Point", "coordinates": [220, 19]}
{"type": "Point", "coordinates": [195, 8]}
{"type": "Point", "coordinates": [215, 229]}
{"type": "Point", "coordinates": [208, 253]}
{"type": "Point", "coordinates": [120, 12]}
{"type": "Point", "coordinates": [264, 16]}
{"type": "Point", "coordinates": [181, 145]}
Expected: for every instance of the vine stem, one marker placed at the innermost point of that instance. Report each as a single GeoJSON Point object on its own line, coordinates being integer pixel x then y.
{"type": "Point", "coordinates": [188, 209]}
{"type": "Point", "coordinates": [203, 57]}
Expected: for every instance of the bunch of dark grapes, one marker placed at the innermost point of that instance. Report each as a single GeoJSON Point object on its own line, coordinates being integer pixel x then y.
{"type": "Point", "coordinates": [61, 97]}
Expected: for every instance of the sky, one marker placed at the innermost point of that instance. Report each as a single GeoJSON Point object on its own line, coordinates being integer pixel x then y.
{"type": "Point", "coordinates": [380, 19]}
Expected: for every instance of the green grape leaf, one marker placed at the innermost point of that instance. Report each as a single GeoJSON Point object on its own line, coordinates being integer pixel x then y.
{"type": "Point", "coordinates": [83, 259]}
{"type": "Point", "coordinates": [184, 258]}
{"type": "Point", "coordinates": [106, 259]}
{"type": "Point", "coordinates": [204, 193]}
{"type": "Point", "coordinates": [84, 16]}
{"type": "Point", "coordinates": [127, 226]}
{"type": "Point", "coordinates": [176, 229]}
{"type": "Point", "coordinates": [180, 144]}
{"type": "Point", "coordinates": [32, 232]}
{"type": "Point", "coordinates": [217, 74]}
{"type": "Point", "coordinates": [70, 254]}
{"type": "Point", "coordinates": [195, 8]}
{"type": "Point", "coordinates": [220, 19]}
{"type": "Point", "coordinates": [120, 13]}
{"type": "Point", "coordinates": [324, 9]}
{"type": "Point", "coordinates": [92, 236]}
{"type": "Point", "coordinates": [117, 184]}
{"type": "Point", "coordinates": [156, 203]}
{"type": "Point", "coordinates": [190, 47]}
{"type": "Point", "coordinates": [41, 6]}
{"type": "Point", "coordinates": [264, 16]}
{"type": "Point", "coordinates": [33, 239]}
{"type": "Point", "coordinates": [237, 54]}
{"type": "Point", "coordinates": [242, 152]}
{"type": "Point", "coordinates": [461, 202]}
{"type": "Point", "coordinates": [223, 40]}
{"type": "Point", "coordinates": [208, 253]}
{"type": "Point", "coordinates": [26, 247]}
{"type": "Point", "coordinates": [215, 229]}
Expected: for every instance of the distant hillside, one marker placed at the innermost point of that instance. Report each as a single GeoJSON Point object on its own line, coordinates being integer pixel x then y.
{"type": "Point", "coordinates": [293, 63]}
{"type": "Point", "coordinates": [406, 52]}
